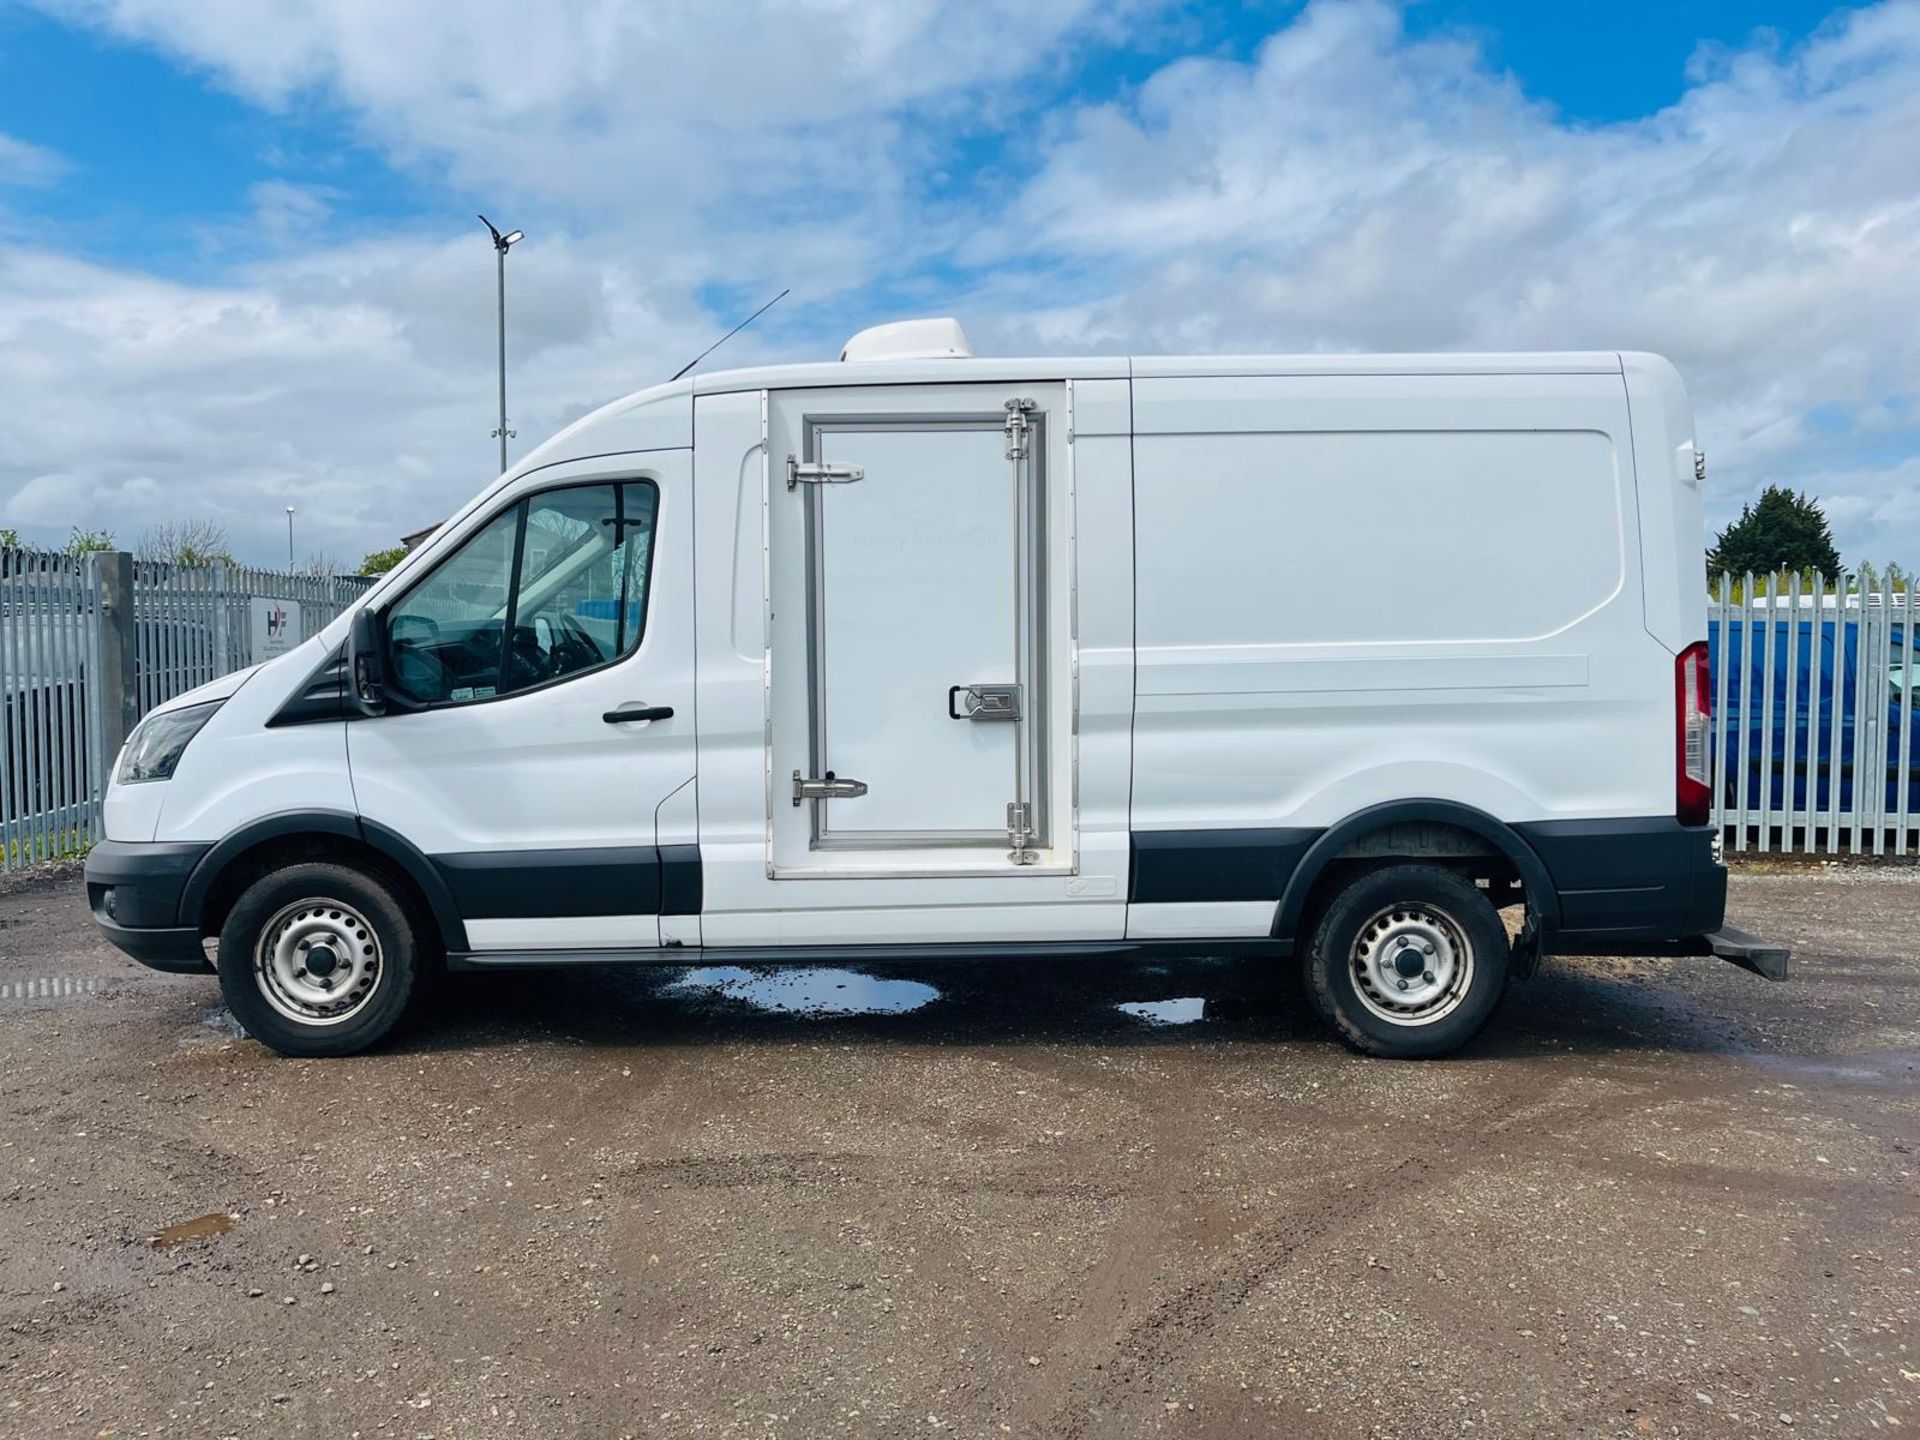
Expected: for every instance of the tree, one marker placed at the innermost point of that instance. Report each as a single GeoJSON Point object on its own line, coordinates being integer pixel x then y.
{"type": "Point", "coordinates": [190, 542]}
{"type": "Point", "coordinates": [88, 542]}
{"type": "Point", "coordinates": [1784, 531]}
{"type": "Point", "coordinates": [9, 540]}
{"type": "Point", "coordinates": [1734, 590]}
{"type": "Point", "coordinates": [1894, 580]}
{"type": "Point", "coordinates": [319, 564]}
{"type": "Point", "coordinates": [381, 561]}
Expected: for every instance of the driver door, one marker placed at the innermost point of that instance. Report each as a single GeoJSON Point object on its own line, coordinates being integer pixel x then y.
{"type": "Point", "coordinates": [563, 608]}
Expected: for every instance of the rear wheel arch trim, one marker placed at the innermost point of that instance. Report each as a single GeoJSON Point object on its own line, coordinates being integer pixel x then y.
{"type": "Point", "coordinates": [1541, 896]}
{"type": "Point", "coordinates": [340, 824]}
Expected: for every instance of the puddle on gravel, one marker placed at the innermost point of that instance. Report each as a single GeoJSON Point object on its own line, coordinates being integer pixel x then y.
{"type": "Point", "coordinates": [48, 987]}
{"type": "Point", "coordinates": [204, 1227]}
{"type": "Point", "coordinates": [810, 991]}
{"type": "Point", "coordinates": [1183, 1011]}
{"type": "Point", "coordinates": [222, 1019]}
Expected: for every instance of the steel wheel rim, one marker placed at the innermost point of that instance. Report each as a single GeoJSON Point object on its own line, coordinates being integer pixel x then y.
{"type": "Point", "coordinates": [318, 962]}
{"type": "Point", "coordinates": [1384, 956]}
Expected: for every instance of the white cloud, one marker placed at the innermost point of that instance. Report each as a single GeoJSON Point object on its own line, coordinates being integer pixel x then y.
{"type": "Point", "coordinates": [1350, 188]}
{"type": "Point", "coordinates": [1879, 506]}
{"type": "Point", "coordinates": [670, 114]}
{"type": "Point", "coordinates": [357, 385]}
{"type": "Point", "coordinates": [491, 63]}
{"type": "Point", "coordinates": [357, 382]}
{"type": "Point", "coordinates": [284, 211]}
{"type": "Point", "coordinates": [651, 151]}
{"type": "Point", "coordinates": [23, 163]}
{"type": "Point", "coordinates": [1347, 188]}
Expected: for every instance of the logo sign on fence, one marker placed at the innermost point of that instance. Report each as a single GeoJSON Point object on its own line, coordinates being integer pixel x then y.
{"type": "Point", "coordinates": [276, 627]}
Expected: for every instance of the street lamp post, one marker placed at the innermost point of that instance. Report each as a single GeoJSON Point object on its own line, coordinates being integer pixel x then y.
{"type": "Point", "coordinates": [502, 244]}
{"type": "Point", "coordinates": [289, 538]}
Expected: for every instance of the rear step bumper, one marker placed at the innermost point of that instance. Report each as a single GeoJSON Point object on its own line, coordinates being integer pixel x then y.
{"type": "Point", "coordinates": [1749, 952]}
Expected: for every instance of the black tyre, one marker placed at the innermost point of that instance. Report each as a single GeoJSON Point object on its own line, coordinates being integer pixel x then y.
{"type": "Point", "coordinates": [1407, 961]}
{"type": "Point", "coordinates": [318, 958]}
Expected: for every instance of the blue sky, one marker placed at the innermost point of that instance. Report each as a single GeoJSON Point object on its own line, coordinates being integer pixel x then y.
{"type": "Point", "coordinates": [162, 160]}
{"type": "Point", "coordinates": [239, 266]}
{"type": "Point", "coordinates": [1608, 60]}
{"type": "Point", "coordinates": [166, 156]}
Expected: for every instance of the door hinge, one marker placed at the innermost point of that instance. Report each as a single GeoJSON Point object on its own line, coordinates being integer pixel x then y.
{"type": "Point", "coordinates": [818, 472]}
{"type": "Point", "coordinates": [1019, 427]}
{"type": "Point", "coordinates": [1020, 833]}
{"type": "Point", "coordinates": [829, 787]}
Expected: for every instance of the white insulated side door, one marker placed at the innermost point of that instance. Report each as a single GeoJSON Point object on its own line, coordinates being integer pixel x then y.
{"type": "Point", "coordinates": [918, 679]}
{"type": "Point", "coordinates": [919, 643]}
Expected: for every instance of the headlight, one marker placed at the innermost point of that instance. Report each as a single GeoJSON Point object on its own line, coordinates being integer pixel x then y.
{"type": "Point", "coordinates": [158, 742]}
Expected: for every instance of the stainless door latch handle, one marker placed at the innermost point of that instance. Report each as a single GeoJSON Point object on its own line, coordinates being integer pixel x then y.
{"type": "Point", "coordinates": [828, 787]}
{"type": "Point", "coordinates": [983, 702]}
{"type": "Point", "coordinates": [819, 472]}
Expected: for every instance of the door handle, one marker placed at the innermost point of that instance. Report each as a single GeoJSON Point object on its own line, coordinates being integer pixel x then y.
{"type": "Point", "coordinates": [634, 710]}
{"type": "Point", "coordinates": [983, 702]}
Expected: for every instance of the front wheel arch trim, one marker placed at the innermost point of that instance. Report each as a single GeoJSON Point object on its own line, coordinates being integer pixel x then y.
{"type": "Point", "coordinates": [388, 844]}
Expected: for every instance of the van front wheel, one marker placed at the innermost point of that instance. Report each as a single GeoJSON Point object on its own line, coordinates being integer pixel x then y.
{"type": "Point", "coordinates": [1407, 961]}
{"type": "Point", "coordinates": [318, 959]}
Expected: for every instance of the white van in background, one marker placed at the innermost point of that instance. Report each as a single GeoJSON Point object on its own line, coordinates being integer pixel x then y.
{"type": "Point", "coordinates": [1322, 659]}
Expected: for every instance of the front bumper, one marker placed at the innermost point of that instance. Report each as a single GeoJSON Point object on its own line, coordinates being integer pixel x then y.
{"type": "Point", "coordinates": [134, 892]}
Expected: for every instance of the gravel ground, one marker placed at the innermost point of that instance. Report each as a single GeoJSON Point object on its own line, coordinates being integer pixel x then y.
{"type": "Point", "coordinates": [1654, 1198]}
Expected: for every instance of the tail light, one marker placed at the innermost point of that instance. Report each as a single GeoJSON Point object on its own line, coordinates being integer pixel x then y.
{"type": "Point", "coordinates": [1692, 716]}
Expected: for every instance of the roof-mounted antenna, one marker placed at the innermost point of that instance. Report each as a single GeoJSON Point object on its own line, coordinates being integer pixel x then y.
{"type": "Point", "coordinates": [730, 334]}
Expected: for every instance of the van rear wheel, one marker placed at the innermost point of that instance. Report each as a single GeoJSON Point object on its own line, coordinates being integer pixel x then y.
{"type": "Point", "coordinates": [318, 959]}
{"type": "Point", "coordinates": [1407, 961]}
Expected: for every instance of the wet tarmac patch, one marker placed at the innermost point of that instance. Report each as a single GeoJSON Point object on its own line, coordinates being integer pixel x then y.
{"type": "Point", "coordinates": [1898, 1068]}
{"type": "Point", "coordinates": [204, 1227]}
{"type": "Point", "coordinates": [810, 991]}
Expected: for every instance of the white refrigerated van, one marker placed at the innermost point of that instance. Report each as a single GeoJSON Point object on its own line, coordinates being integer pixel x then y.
{"type": "Point", "coordinates": [1324, 659]}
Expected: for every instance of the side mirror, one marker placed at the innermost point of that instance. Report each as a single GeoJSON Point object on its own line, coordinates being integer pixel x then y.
{"type": "Point", "coordinates": [366, 689]}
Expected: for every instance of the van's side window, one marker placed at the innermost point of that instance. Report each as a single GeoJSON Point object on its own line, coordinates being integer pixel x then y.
{"type": "Point", "coordinates": [552, 588]}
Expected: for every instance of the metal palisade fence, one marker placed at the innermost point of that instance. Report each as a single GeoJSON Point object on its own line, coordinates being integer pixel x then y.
{"type": "Point", "coordinates": [1813, 748]}
{"type": "Point", "coordinates": [49, 762]}
{"type": "Point", "coordinates": [1813, 742]}
{"type": "Point", "coordinates": [90, 643]}
{"type": "Point", "coordinates": [196, 623]}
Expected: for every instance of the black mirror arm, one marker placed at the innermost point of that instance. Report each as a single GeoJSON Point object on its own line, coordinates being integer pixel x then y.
{"type": "Point", "coordinates": [365, 687]}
